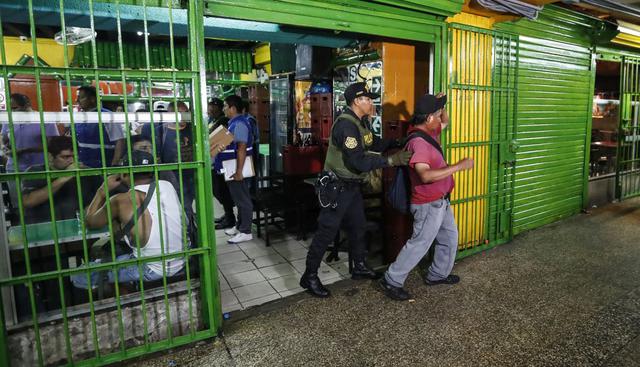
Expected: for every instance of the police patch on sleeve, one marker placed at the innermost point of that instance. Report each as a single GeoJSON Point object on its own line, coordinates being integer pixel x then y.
{"type": "Point", "coordinates": [368, 139]}
{"type": "Point", "coordinates": [350, 142]}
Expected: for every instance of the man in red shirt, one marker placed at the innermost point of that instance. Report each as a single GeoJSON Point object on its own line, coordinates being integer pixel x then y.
{"type": "Point", "coordinates": [431, 186]}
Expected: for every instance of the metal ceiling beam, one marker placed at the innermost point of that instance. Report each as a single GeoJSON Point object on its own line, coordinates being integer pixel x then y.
{"type": "Point", "coordinates": [77, 14]}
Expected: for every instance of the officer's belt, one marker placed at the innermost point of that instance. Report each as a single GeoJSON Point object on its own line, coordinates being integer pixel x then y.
{"type": "Point", "coordinates": [349, 184]}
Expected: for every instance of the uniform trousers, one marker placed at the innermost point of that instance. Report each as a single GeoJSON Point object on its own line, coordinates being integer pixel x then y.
{"type": "Point", "coordinates": [350, 213]}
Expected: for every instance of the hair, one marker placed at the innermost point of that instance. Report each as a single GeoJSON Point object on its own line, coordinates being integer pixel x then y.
{"type": "Point", "coordinates": [21, 100]}
{"type": "Point", "coordinates": [171, 107]}
{"type": "Point", "coordinates": [419, 119]}
{"type": "Point", "coordinates": [216, 102]}
{"type": "Point", "coordinates": [57, 144]}
{"type": "Point", "coordinates": [88, 90]}
{"type": "Point", "coordinates": [235, 101]}
{"type": "Point", "coordinates": [138, 138]}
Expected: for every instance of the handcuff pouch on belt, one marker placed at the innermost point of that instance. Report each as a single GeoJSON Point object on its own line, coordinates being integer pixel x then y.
{"type": "Point", "coordinates": [328, 187]}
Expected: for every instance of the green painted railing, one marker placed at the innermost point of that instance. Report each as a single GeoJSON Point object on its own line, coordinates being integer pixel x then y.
{"type": "Point", "coordinates": [140, 316]}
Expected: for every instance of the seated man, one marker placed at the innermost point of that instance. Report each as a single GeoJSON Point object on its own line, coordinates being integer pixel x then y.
{"type": "Point", "coordinates": [141, 142]}
{"type": "Point", "coordinates": [65, 192]}
{"type": "Point", "coordinates": [146, 234]}
{"type": "Point", "coordinates": [168, 147]}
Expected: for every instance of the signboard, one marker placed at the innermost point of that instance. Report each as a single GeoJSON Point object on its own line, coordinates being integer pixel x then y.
{"type": "Point", "coordinates": [370, 72]}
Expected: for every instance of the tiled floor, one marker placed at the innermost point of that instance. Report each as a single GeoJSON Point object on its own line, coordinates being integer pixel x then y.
{"type": "Point", "coordinates": [252, 273]}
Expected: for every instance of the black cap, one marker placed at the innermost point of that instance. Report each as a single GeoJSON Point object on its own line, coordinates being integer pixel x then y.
{"type": "Point", "coordinates": [138, 158]}
{"type": "Point", "coordinates": [356, 90]}
{"type": "Point", "coordinates": [429, 104]}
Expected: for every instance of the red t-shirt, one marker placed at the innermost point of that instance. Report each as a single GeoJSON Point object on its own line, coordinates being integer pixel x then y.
{"type": "Point", "coordinates": [423, 152]}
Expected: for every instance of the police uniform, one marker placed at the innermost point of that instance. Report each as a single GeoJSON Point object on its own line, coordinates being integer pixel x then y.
{"type": "Point", "coordinates": [349, 157]}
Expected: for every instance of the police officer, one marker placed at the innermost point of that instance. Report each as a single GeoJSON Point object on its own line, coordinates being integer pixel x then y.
{"type": "Point", "coordinates": [349, 157]}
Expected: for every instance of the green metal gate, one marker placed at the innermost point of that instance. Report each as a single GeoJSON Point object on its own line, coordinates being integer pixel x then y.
{"type": "Point", "coordinates": [628, 157]}
{"type": "Point", "coordinates": [482, 69]}
{"type": "Point", "coordinates": [45, 319]}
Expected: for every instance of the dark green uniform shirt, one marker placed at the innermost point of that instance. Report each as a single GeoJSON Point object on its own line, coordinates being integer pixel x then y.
{"type": "Point", "coordinates": [351, 145]}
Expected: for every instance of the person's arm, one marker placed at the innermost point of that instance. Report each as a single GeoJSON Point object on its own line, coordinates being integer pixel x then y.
{"type": "Point", "coordinates": [428, 175]}
{"type": "Point", "coordinates": [96, 213]}
{"type": "Point", "coordinates": [118, 152]}
{"type": "Point", "coordinates": [115, 132]}
{"type": "Point", "coordinates": [347, 137]}
{"type": "Point", "coordinates": [241, 155]}
{"type": "Point", "coordinates": [241, 137]}
{"type": "Point", "coordinates": [41, 195]}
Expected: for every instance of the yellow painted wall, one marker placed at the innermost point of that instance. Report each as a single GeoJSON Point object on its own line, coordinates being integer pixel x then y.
{"type": "Point", "coordinates": [469, 64]}
{"type": "Point", "coordinates": [48, 50]}
{"type": "Point", "coordinates": [399, 81]}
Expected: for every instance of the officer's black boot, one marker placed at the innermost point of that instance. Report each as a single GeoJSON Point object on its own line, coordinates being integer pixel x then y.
{"type": "Point", "coordinates": [361, 271]}
{"type": "Point", "coordinates": [311, 282]}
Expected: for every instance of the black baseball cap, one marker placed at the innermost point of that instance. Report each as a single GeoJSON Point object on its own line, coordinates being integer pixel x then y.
{"type": "Point", "coordinates": [138, 158]}
{"type": "Point", "coordinates": [356, 90]}
{"type": "Point", "coordinates": [429, 104]}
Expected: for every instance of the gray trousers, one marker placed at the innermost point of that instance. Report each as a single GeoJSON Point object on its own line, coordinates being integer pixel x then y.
{"type": "Point", "coordinates": [431, 221]}
{"type": "Point", "coordinates": [242, 198]}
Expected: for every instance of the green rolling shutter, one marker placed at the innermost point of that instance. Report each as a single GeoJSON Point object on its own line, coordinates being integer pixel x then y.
{"type": "Point", "coordinates": [411, 20]}
{"type": "Point", "coordinates": [553, 114]}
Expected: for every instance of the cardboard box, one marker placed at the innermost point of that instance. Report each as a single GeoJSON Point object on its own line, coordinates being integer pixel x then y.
{"type": "Point", "coordinates": [219, 137]}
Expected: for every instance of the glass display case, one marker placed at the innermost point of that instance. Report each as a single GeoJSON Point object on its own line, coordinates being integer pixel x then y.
{"type": "Point", "coordinates": [604, 137]}
{"type": "Point", "coordinates": [281, 95]}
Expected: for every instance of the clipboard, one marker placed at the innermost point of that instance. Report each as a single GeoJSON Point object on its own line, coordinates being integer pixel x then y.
{"type": "Point", "coordinates": [229, 168]}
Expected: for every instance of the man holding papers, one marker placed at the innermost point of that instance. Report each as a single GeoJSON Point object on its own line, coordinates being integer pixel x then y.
{"type": "Point", "coordinates": [238, 168]}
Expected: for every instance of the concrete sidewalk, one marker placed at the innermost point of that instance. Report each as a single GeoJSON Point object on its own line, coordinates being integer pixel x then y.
{"type": "Point", "coordinates": [567, 294]}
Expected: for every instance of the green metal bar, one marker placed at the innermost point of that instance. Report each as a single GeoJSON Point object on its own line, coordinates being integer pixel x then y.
{"type": "Point", "coordinates": [67, 77]}
{"type": "Point", "coordinates": [4, 352]}
{"type": "Point", "coordinates": [43, 138]}
{"type": "Point", "coordinates": [587, 140]}
{"type": "Point", "coordinates": [100, 267]}
{"type": "Point", "coordinates": [21, 214]}
{"type": "Point", "coordinates": [147, 62]}
{"type": "Point", "coordinates": [183, 217]}
{"type": "Point", "coordinates": [96, 171]}
{"type": "Point", "coordinates": [514, 40]}
{"type": "Point", "coordinates": [209, 284]}
{"type": "Point", "coordinates": [619, 166]}
{"type": "Point", "coordinates": [79, 73]}
{"type": "Point", "coordinates": [103, 156]}
{"type": "Point", "coordinates": [486, 118]}
{"type": "Point", "coordinates": [162, 242]}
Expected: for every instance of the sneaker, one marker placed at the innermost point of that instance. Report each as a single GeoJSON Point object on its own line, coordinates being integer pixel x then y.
{"type": "Point", "coordinates": [393, 292]}
{"type": "Point", "coordinates": [231, 231]}
{"type": "Point", "coordinates": [225, 224]}
{"type": "Point", "coordinates": [240, 237]}
{"type": "Point", "coordinates": [451, 279]}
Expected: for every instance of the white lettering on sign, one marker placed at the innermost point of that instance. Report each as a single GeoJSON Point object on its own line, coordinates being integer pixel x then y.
{"type": "Point", "coordinates": [353, 73]}
{"type": "Point", "coordinates": [376, 84]}
{"type": "Point", "coordinates": [376, 125]}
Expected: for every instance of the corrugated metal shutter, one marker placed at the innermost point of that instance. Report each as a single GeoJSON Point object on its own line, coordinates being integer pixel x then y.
{"type": "Point", "coordinates": [554, 99]}
{"type": "Point", "coordinates": [395, 18]}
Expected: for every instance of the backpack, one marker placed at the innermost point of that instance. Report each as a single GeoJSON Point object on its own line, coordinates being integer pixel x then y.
{"type": "Point", "coordinates": [399, 194]}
